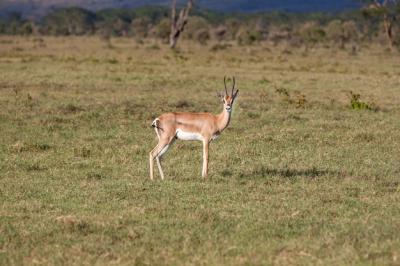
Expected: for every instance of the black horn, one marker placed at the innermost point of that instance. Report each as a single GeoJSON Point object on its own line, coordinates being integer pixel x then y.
{"type": "Point", "coordinates": [226, 90]}
{"type": "Point", "coordinates": [233, 86]}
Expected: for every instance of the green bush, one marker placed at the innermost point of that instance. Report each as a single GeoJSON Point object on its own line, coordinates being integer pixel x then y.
{"type": "Point", "coordinates": [163, 29]}
{"type": "Point", "coordinates": [311, 32]}
{"type": "Point", "coordinates": [69, 21]}
{"type": "Point", "coordinates": [202, 36]}
{"type": "Point", "coordinates": [357, 104]}
{"type": "Point", "coordinates": [248, 37]}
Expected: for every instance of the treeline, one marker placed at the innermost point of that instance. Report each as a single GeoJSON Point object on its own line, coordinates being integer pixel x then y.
{"type": "Point", "coordinates": [204, 25]}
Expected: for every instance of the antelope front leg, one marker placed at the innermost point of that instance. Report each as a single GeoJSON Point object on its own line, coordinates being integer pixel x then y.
{"type": "Point", "coordinates": [151, 161]}
{"type": "Point", "coordinates": [154, 154]}
{"type": "Point", "coordinates": [160, 168]}
{"type": "Point", "coordinates": [205, 158]}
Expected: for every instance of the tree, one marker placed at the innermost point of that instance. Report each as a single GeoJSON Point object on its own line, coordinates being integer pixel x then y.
{"type": "Point", "coordinates": [385, 9]}
{"type": "Point", "coordinates": [162, 30]}
{"type": "Point", "coordinates": [341, 32]}
{"type": "Point", "coordinates": [140, 27]}
{"type": "Point", "coordinates": [311, 33]}
{"type": "Point", "coordinates": [69, 21]}
{"type": "Point", "coordinates": [178, 23]}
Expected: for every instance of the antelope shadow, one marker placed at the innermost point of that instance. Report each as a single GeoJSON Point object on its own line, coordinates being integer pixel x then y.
{"type": "Point", "coordinates": [312, 172]}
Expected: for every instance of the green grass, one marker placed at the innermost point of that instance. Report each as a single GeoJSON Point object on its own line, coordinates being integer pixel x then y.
{"type": "Point", "coordinates": [299, 177]}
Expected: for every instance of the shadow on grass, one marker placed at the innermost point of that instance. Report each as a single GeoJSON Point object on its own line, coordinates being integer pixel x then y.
{"type": "Point", "coordinates": [287, 173]}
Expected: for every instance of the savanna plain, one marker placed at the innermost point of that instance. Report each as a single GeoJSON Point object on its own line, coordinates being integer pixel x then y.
{"type": "Point", "coordinates": [306, 173]}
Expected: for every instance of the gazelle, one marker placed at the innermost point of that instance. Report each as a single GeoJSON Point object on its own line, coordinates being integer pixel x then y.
{"type": "Point", "coordinates": [204, 127]}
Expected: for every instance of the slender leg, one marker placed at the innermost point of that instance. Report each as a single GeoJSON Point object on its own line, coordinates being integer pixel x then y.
{"type": "Point", "coordinates": [151, 161]}
{"type": "Point", "coordinates": [205, 158]}
{"type": "Point", "coordinates": [159, 167]}
{"type": "Point", "coordinates": [155, 153]}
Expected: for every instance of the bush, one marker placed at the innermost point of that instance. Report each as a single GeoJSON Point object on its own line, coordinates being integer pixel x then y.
{"type": "Point", "coordinates": [232, 28]}
{"type": "Point", "coordinates": [342, 32]}
{"type": "Point", "coordinates": [162, 30]}
{"type": "Point", "coordinates": [218, 47]}
{"type": "Point", "coordinates": [194, 27]}
{"type": "Point", "coordinates": [26, 28]}
{"type": "Point", "coordinates": [202, 36]}
{"type": "Point", "coordinates": [356, 103]}
{"type": "Point", "coordinates": [140, 27]}
{"type": "Point", "coordinates": [277, 34]}
{"type": "Point", "coordinates": [311, 32]}
{"type": "Point", "coordinates": [69, 21]}
{"type": "Point", "coordinates": [219, 33]}
{"type": "Point", "coordinates": [248, 37]}
{"type": "Point", "coordinates": [334, 32]}
{"type": "Point", "coordinates": [350, 31]}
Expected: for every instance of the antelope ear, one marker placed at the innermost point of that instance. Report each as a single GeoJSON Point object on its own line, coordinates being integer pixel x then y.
{"type": "Point", "coordinates": [220, 95]}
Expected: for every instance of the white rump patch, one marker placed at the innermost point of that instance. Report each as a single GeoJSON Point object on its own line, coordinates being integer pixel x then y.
{"type": "Point", "coordinates": [188, 135]}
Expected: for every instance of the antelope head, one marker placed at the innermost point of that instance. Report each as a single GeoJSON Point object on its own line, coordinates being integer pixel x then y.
{"type": "Point", "coordinates": [227, 99]}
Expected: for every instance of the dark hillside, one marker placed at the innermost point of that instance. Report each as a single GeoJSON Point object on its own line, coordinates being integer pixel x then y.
{"type": "Point", "coordinates": [38, 8]}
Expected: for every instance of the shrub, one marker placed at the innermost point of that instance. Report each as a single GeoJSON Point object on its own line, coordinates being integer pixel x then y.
{"type": "Point", "coordinates": [277, 34]}
{"type": "Point", "coordinates": [218, 47]}
{"type": "Point", "coordinates": [232, 28]}
{"type": "Point", "coordinates": [342, 32]}
{"type": "Point", "coordinates": [69, 21]}
{"type": "Point", "coordinates": [140, 27]}
{"type": "Point", "coordinates": [162, 30]}
{"type": "Point", "coordinates": [194, 26]}
{"type": "Point", "coordinates": [202, 36]}
{"type": "Point", "coordinates": [248, 37]}
{"type": "Point", "coordinates": [356, 103]}
{"type": "Point", "coordinates": [334, 32]}
{"type": "Point", "coordinates": [219, 33]}
{"type": "Point", "coordinates": [311, 32]}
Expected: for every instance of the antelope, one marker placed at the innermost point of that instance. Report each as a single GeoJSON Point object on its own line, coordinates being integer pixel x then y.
{"type": "Point", "coordinates": [203, 127]}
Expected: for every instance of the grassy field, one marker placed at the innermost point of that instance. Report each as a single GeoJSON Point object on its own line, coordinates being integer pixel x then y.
{"type": "Point", "coordinates": [299, 177]}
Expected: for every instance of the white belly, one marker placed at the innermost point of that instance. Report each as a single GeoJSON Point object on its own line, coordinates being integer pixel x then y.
{"type": "Point", "coordinates": [188, 135]}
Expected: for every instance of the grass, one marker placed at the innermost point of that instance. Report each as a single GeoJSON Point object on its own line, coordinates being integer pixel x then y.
{"type": "Point", "coordinates": [299, 177]}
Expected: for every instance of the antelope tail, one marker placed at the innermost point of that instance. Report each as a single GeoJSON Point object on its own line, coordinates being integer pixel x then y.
{"type": "Point", "coordinates": [156, 125]}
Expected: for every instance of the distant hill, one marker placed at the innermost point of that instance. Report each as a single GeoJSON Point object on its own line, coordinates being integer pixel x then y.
{"type": "Point", "coordinates": [38, 8]}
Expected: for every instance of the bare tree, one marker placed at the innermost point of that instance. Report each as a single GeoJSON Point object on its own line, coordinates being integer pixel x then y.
{"type": "Point", "coordinates": [386, 10]}
{"type": "Point", "coordinates": [178, 23]}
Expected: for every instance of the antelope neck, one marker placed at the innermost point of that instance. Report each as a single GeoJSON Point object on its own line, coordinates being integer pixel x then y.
{"type": "Point", "coordinates": [223, 119]}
